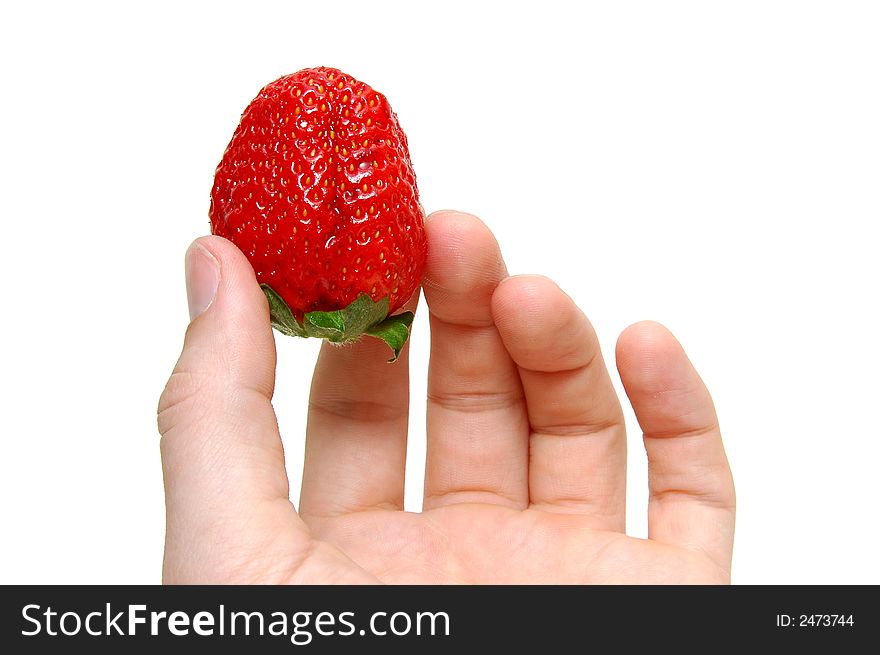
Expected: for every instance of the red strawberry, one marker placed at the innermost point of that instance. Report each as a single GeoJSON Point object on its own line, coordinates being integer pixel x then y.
{"type": "Point", "coordinates": [318, 191]}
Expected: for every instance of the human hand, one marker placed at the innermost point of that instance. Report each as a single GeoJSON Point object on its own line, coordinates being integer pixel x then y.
{"type": "Point", "coordinates": [525, 478]}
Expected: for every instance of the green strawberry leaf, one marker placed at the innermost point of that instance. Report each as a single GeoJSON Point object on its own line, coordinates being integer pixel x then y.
{"type": "Point", "coordinates": [346, 324]}
{"type": "Point", "coordinates": [362, 316]}
{"type": "Point", "coordinates": [282, 318]}
{"type": "Point", "coordinates": [394, 331]}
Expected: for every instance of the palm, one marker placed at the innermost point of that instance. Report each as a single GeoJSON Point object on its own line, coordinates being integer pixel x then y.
{"type": "Point", "coordinates": [485, 544]}
{"type": "Point", "coordinates": [525, 471]}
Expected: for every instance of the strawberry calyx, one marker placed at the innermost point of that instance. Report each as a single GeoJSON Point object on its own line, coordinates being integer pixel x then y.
{"type": "Point", "coordinates": [361, 317]}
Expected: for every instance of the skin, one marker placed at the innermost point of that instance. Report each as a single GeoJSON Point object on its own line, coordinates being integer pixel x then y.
{"type": "Point", "coordinates": [525, 478]}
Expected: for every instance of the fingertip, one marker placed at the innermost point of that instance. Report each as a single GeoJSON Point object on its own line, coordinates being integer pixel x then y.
{"type": "Point", "coordinates": [666, 391]}
{"type": "Point", "coordinates": [238, 295]}
{"type": "Point", "coordinates": [229, 332]}
{"type": "Point", "coordinates": [650, 357]}
{"type": "Point", "coordinates": [527, 291]}
{"type": "Point", "coordinates": [219, 247]}
{"type": "Point", "coordinates": [524, 304]}
{"type": "Point", "coordinates": [451, 214]}
{"type": "Point", "coordinates": [202, 279]}
{"type": "Point", "coordinates": [646, 340]}
{"type": "Point", "coordinates": [461, 247]}
{"type": "Point", "coordinates": [541, 325]}
{"type": "Point", "coordinates": [464, 266]}
{"type": "Point", "coordinates": [647, 332]}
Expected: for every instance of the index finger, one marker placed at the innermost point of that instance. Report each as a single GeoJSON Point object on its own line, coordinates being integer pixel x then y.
{"type": "Point", "coordinates": [477, 447]}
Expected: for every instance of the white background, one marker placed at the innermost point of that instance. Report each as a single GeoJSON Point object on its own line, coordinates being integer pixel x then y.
{"type": "Point", "coordinates": [711, 165]}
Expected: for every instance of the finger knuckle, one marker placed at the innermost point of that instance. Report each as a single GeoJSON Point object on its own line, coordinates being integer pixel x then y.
{"type": "Point", "coordinates": [180, 393]}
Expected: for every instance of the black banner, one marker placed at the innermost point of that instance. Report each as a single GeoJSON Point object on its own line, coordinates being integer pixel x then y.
{"type": "Point", "coordinates": [433, 619]}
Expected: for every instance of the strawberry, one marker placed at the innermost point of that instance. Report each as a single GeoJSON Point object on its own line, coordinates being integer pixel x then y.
{"type": "Point", "coordinates": [317, 189]}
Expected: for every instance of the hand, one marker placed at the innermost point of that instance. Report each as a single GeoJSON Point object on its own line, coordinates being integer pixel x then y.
{"type": "Point", "coordinates": [525, 478]}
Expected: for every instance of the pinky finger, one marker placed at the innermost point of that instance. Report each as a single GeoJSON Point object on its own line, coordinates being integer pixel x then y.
{"type": "Point", "coordinates": [692, 500]}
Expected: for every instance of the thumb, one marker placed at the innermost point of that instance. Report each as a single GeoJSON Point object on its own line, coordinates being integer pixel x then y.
{"type": "Point", "coordinates": [225, 483]}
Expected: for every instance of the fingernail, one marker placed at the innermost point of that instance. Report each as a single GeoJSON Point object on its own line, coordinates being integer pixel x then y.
{"type": "Point", "coordinates": [202, 279]}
